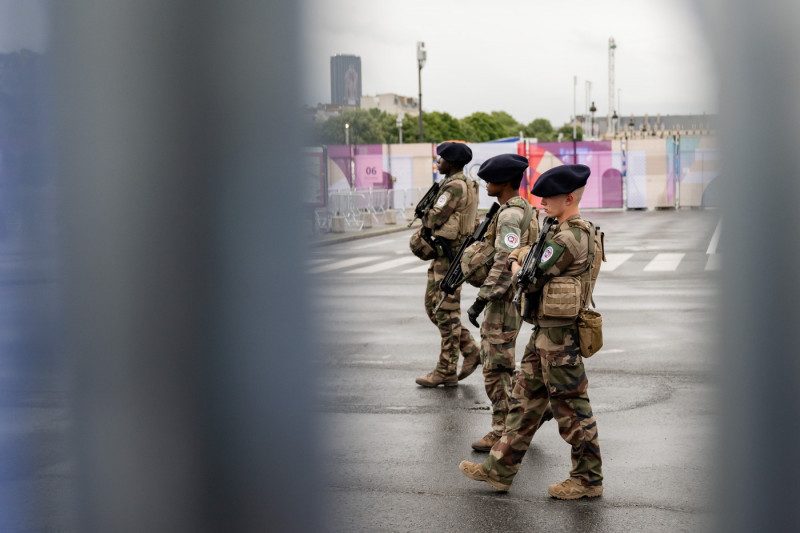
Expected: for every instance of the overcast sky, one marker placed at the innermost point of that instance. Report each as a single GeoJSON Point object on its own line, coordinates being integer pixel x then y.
{"type": "Point", "coordinates": [23, 25]}
{"type": "Point", "coordinates": [518, 56]}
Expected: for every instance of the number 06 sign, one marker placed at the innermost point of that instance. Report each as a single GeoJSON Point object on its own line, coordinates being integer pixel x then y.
{"type": "Point", "coordinates": [369, 171]}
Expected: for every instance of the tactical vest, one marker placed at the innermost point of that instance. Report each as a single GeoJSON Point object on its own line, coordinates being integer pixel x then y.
{"type": "Point", "coordinates": [464, 219]}
{"type": "Point", "coordinates": [563, 297]}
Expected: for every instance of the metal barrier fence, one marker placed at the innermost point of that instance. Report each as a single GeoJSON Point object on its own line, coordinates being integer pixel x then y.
{"type": "Point", "coordinates": [352, 210]}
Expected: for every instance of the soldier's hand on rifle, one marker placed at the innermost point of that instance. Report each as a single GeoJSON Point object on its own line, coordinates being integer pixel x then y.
{"type": "Point", "coordinates": [475, 311]}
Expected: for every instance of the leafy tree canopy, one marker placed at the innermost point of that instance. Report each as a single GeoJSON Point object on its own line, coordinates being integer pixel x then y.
{"type": "Point", "coordinates": [567, 131]}
{"type": "Point", "coordinates": [366, 127]}
{"type": "Point", "coordinates": [509, 123]}
{"type": "Point", "coordinates": [540, 129]}
{"type": "Point", "coordinates": [437, 127]}
{"type": "Point", "coordinates": [372, 126]}
{"type": "Point", "coordinates": [481, 127]}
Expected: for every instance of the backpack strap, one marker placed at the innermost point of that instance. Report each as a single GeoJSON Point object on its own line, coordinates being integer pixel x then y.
{"type": "Point", "coordinates": [527, 216]}
{"type": "Point", "coordinates": [586, 275]}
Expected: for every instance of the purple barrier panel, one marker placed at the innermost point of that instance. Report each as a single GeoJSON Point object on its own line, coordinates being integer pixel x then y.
{"type": "Point", "coordinates": [340, 174]}
{"type": "Point", "coordinates": [369, 167]}
{"type": "Point", "coordinates": [598, 156]}
{"type": "Point", "coordinates": [612, 188]}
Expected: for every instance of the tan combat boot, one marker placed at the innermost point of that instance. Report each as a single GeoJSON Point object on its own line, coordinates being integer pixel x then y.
{"type": "Point", "coordinates": [470, 363]}
{"type": "Point", "coordinates": [573, 488]}
{"type": "Point", "coordinates": [476, 472]}
{"type": "Point", "coordinates": [486, 442]}
{"type": "Point", "coordinates": [435, 378]}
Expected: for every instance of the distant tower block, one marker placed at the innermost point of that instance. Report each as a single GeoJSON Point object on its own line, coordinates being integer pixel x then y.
{"type": "Point", "coordinates": [611, 109]}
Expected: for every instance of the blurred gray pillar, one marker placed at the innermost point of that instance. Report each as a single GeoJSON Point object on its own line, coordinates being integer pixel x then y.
{"type": "Point", "coordinates": [757, 46]}
{"type": "Point", "coordinates": [187, 316]}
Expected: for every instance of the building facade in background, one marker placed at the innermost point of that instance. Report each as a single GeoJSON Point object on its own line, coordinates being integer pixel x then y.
{"type": "Point", "coordinates": [644, 126]}
{"type": "Point", "coordinates": [391, 103]}
{"type": "Point", "coordinates": [346, 80]}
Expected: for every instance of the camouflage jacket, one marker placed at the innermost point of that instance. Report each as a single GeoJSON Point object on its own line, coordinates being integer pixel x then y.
{"type": "Point", "coordinates": [507, 234]}
{"type": "Point", "coordinates": [454, 214]}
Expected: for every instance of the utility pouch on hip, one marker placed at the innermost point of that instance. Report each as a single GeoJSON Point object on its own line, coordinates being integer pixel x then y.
{"type": "Point", "coordinates": [476, 261]}
{"type": "Point", "coordinates": [590, 332]}
{"type": "Point", "coordinates": [561, 298]}
{"type": "Point", "coordinates": [422, 246]}
{"type": "Point", "coordinates": [525, 307]}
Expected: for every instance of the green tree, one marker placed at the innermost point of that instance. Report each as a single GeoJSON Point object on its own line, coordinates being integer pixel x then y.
{"type": "Point", "coordinates": [388, 126]}
{"type": "Point", "coordinates": [508, 122]}
{"type": "Point", "coordinates": [365, 128]}
{"type": "Point", "coordinates": [567, 131]}
{"type": "Point", "coordinates": [540, 129]}
{"type": "Point", "coordinates": [437, 127]}
{"type": "Point", "coordinates": [481, 127]}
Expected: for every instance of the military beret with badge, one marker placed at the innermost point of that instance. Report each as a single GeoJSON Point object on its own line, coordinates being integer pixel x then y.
{"type": "Point", "coordinates": [503, 168]}
{"type": "Point", "coordinates": [454, 152]}
{"type": "Point", "coordinates": [561, 180]}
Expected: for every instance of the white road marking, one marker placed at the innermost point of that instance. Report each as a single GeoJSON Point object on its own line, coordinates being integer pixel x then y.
{"type": "Point", "coordinates": [371, 244]}
{"type": "Point", "coordinates": [664, 263]}
{"type": "Point", "coordinates": [714, 262]}
{"type": "Point", "coordinates": [613, 261]}
{"type": "Point", "coordinates": [386, 265]}
{"type": "Point", "coordinates": [712, 246]}
{"type": "Point", "coordinates": [345, 263]}
{"type": "Point", "coordinates": [417, 270]}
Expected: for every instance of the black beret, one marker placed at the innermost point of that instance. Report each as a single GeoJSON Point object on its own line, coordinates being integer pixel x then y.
{"type": "Point", "coordinates": [561, 180]}
{"type": "Point", "coordinates": [454, 152]}
{"type": "Point", "coordinates": [502, 168]}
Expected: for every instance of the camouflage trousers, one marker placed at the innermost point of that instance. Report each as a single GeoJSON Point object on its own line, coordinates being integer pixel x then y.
{"type": "Point", "coordinates": [501, 322]}
{"type": "Point", "coordinates": [552, 373]}
{"type": "Point", "coordinates": [455, 339]}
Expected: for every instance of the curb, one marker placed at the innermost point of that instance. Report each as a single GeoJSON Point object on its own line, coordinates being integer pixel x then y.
{"type": "Point", "coordinates": [345, 237]}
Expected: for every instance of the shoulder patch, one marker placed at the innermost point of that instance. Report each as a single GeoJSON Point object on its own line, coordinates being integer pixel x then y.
{"type": "Point", "coordinates": [511, 240]}
{"type": "Point", "coordinates": [441, 201]}
{"type": "Point", "coordinates": [552, 251]}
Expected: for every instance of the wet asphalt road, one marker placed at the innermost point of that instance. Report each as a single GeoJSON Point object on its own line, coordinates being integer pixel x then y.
{"type": "Point", "coordinates": [393, 448]}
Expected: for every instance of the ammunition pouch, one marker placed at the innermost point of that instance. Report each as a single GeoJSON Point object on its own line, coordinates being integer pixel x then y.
{"type": "Point", "coordinates": [561, 298]}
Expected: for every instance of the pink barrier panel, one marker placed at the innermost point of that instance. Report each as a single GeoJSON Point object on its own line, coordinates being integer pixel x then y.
{"type": "Point", "coordinates": [604, 188]}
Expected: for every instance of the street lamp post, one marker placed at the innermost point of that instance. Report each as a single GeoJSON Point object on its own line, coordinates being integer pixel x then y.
{"type": "Point", "coordinates": [574, 120]}
{"type": "Point", "coordinates": [588, 98]}
{"type": "Point", "coordinates": [592, 110]}
{"type": "Point", "coordinates": [422, 55]}
{"type": "Point", "coordinates": [350, 155]}
{"type": "Point", "coordinates": [400, 127]}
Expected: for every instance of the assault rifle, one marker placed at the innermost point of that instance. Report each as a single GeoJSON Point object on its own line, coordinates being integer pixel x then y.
{"type": "Point", "coordinates": [455, 276]}
{"type": "Point", "coordinates": [529, 272]}
{"type": "Point", "coordinates": [424, 205]}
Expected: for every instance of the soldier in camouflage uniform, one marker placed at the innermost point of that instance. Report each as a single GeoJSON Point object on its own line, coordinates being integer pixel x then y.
{"type": "Point", "coordinates": [514, 225]}
{"type": "Point", "coordinates": [450, 220]}
{"type": "Point", "coordinates": [552, 370]}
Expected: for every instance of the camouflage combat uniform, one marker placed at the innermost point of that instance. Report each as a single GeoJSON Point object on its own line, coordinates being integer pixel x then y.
{"type": "Point", "coordinates": [501, 320]}
{"type": "Point", "coordinates": [552, 373]}
{"type": "Point", "coordinates": [451, 219]}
